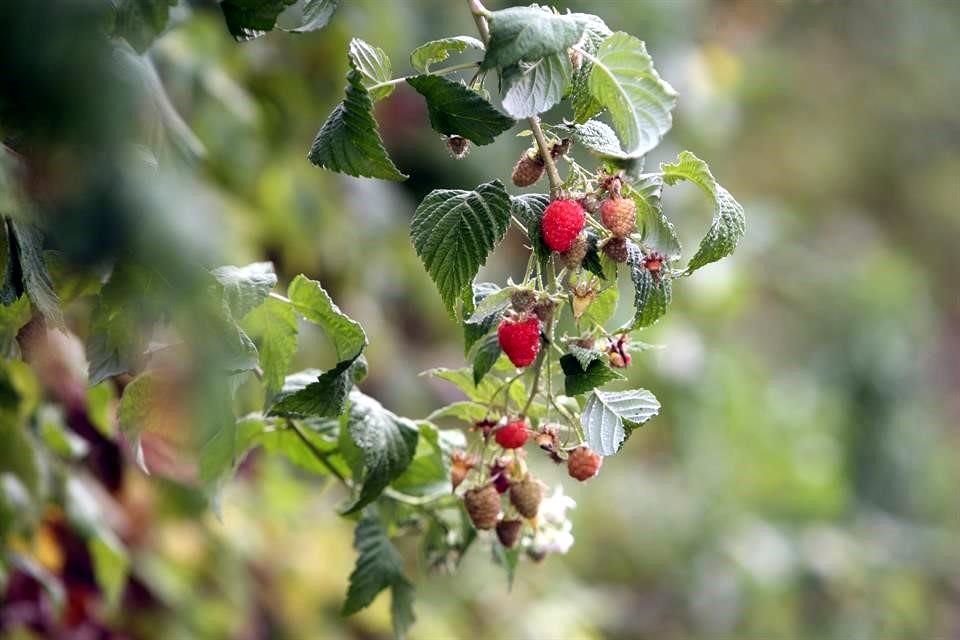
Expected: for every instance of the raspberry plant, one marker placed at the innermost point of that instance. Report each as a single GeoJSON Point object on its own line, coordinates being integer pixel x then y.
{"type": "Point", "coordinates": [540, 350]}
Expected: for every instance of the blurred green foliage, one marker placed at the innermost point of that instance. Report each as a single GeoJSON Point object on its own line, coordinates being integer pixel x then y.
{"type": "Point", "coordinates": [801, 481]}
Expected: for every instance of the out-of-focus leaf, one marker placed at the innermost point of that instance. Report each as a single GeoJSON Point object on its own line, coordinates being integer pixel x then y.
{"type": "Point", "coordinates": [245, 288]}
{"type": "Point", "coordinates": [439, 50]}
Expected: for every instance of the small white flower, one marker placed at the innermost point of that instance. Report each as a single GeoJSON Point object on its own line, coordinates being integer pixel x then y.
{"type": "Point", "coordinates": [554, 529]}
{"type": "Point", "coordinates": [553, 508]}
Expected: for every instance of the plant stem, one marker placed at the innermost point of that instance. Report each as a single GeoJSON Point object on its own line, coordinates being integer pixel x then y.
{"type": "Point", "coordinates": [480, 15]}
{"type": "Point", "coordinates": [556, 183]}
{"type": "Point", "coordinates": [438, 72]}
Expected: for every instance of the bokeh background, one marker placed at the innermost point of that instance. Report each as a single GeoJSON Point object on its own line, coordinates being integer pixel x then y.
{"type": "Point", "coordinates": [801, 481]}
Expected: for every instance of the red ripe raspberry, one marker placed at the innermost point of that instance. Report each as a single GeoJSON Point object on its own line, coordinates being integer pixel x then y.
{"type": "Point", "coordinates": [513, 435]}
{"type": "Point", "coordinates": [584, 463]}
{"type": "Point", "coordinates": [563, 221]}
{"type": "Point", "coordinates": [520, 339]}
{"type": "Point", "coordinates": [619, 215]}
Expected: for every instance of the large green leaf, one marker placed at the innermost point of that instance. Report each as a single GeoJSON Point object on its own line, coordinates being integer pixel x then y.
{"type": "Point", "coordinates": [492, 304]}
{"type": "Point", "coordinates": [374, 67]}
{"type": "Point", "coordinates": [598, 138]}
{"type": "Point", "coordinates": [454, 231]}
{"type": "Point", "coordinates": [659, 234]}
{"type": "Point", "coordinates": [530, 88]}
{"type": "Point", "coordinates": [605, 413]}
{"type": "Point", "coordinates": [386, 441]}
{"type": "Point", "coordinates": [12, 318]}
{"type": "Point", "coordinates": [624, 81]}
{"type": "Point", "coordinates": [652, 293]}
{"type": "Point", "coordinates": [528, 34]}
{"type": "Point", "coordinates": [439, 50]}
{"type": "Point", "coordinates": [348, 142]}
{"type": "Point", "coordinates": [314, 14]}
{"type": "Point", "coordinates": [379, 566]}
{"type": "Point", "coordinates": [274, 324]}
{"type": "Point", "coordinates": [311, 301]}
{"type": "Point", "coordinates": [312, 445]}
{"type": "Point", "coordinates": [33, 269]}
{"type": "Point", "coordinates": [728, 224]}
{"type": "Point", "coordinates": [579, 380]}
{"type": "Point", "coordinates": [314, 393]}
{"type": "Point", "coordinates": [249, 19]}
{"type": "Point", "coordinates": [585, 106]}
{"type": "Point", "coordinates": [245, 288]}
{"type": "Point", "coordinates": [456, 110]}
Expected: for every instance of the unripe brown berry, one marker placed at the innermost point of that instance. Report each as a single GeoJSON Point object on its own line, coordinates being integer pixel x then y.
{"type": "Point", "coordinates": [584, 463]}
{"type": "Point", "coordinates": [573, 257]}
{"type": "Point", "coordinates": [619, 215]}
{"type": "Point", "coordinates": [508, 532]}
{"type": "Point", "coordinates": [616, 249]}
{"type": "Point", "coordinates": [544, 310]}
{"type": "Point", "coordinates": [458, 146]}
{"type": "Point", "coordinates": [528, 170]}
{"type": "Point", "coordinates": [483, 506]}
{"type": "Point", "coordinates": [526, 495]}
{"type": "Point", "coordinates": [523, 300]}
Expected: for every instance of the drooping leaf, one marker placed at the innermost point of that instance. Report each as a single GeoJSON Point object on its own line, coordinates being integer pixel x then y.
{"type": "Point", "coordinates": [483, 392]}
{"type": "Point", "coordinates": [531, 88]}
{"type": "Point", "coordinates": [579, 380]}
{"type": "Point", "coordinates": [585, 106]}
{"type": "Point", "coordinates": [456, 110]}
{"type": "Point", "coordinates": [598, 138]}
{"type": "Point", "coordinates": [454, 231]}
{"type": "Point", "coordinates": [374, 67]}
{"type": "Point", "coordinates": [379, 566]}
{"type": "Point", "coordinates": [605, 413]}
{"type": "Point", "coordinates": [465, 410]}
{"type": "Point", "coordinates": [249, 19]}
{"type": "Point", "coordinates": [508, 559]}
{"type": "Point", "coordinates": [274, 323]}
{"type": "Point", "coordinates": [33, 269]}
{"type": "Point", "coordinates": [401, 608]}
{"type": "Point", "coordinates": [492, 305]}
{"type": "Point", "coordinates": [472, 297]}
{"type": "Point", "coordinates": [624, 81]}
{"type": "Point", "coordinates": [311, 301]}
{"type": "Point", "coordinates": [312, 393]}
{"type": "Point", "coordinates": [487, 352]}
{"type": "Point", "coordinates": [13, 317]}
{"type": "Point", "coordinates": [244, 288]}
{"type": "Point", "coordinates": [659, 234]}
{"type": "Point", "coordinates": [111, 565]}
{"type": "Point", "coordinates": [529, 208]}
{"type": "Point", "coordinates": [139, 22]}
{"type": "Point", "coordinates": [348, 142]}
{"type": "Point", "coordinates": [387, 442]}
{"type": "Point", "coordinates": [653, 292]}
{"type": "Point", "coordinates": [116, 344]}
{"type": "Point", "coordinates": [439, 50]}
{"type": "Point", "coordinates": [528, 34]}
{"type": "Point", "coordinates": [137, 404]}
{"type": "Point", "coordinates": [728, 224]}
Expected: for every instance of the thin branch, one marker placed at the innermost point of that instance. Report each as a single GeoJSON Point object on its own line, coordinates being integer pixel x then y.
{"type": "Point", "coordinates": [480, 15]}
{"type": "Point", "coordinates": [437, 72]}
{"type": "Point", "coordinates": [556, 183]}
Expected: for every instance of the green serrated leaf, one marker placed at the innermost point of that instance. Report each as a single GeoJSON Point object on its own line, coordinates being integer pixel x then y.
{"type": "Point", "coordinates": [465, 410]}
{"type": "Point", "coordinates": [249, 19]}
{"type": "Point", "coordinates": [487, 352]}
{"type": "Point", "coordinates": [583, 355]}
{"type": "Point", "coordinates": [604, 305]}
{"type": "Point", "coordinates": [348, 142]}
{"type": "Point", "coordinates": [429, 471]}
{"type": "Point", "coordinates": [13, 317]}
{"type": "Point", "coordinates": [456, 110]}
{"type": "Point", "coordinates": [439, 50]}
{"type": "Point", "coordinates": [659, 234]}
{"type": "Point", "coordinates": [585, 106]}
{"type": "Point", "coordinates": [491, 305]}
{"type": "Point", "coordinates": [529, 208]}
{"type": "Point", "coordinates": [454, 231]}
{"type": "Point", "coordinates": [274, 324]}
{"type": "Point", "coordinates": [387, 442]}
{"type": "Point", "coordinates": [728, 224]}
{"type": "Point", "coordinates": [528, 34]}
{"type": "Point", "coordinates": [483, 392]}
{"type": "Point", "coordinates": [531, 88]}
{"type": "Point", "coordinates": [579, 380]}
{"type": "Point", "coordinates": [653, 293]}
{"type": "Point", "coordinates": [374, 67]}
{"type": "Point", "coordinates": [379, 566]}
{"type": "Point", "coordinates": [604, 414]}
{"type": "Point", "coordinates": [311, 301]}
{"type": "Point", "coordinates": [312, 393]}
{"type": "Point", "coordinates": [245, 288]}
{"type": "Point", "coordinates": [36, 279]}
{"type": "Point", "coordinates": [473, 331]}
{"type": "Point", "coordinates": [624, 81]}
{"type": "Point", "coordinates": [306, 444]}
{"type": "Point", "coordinates": [598, 138]}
